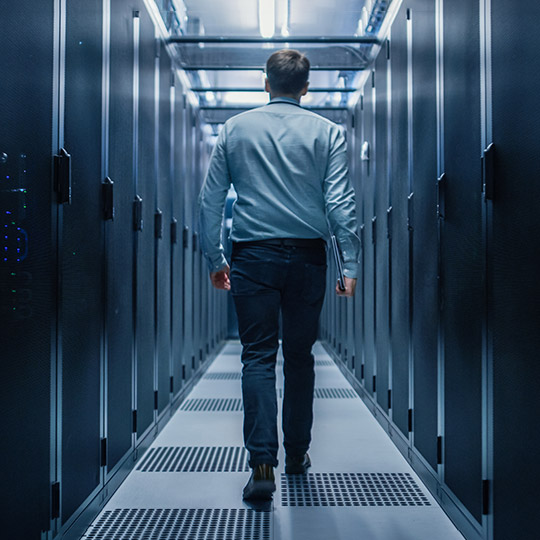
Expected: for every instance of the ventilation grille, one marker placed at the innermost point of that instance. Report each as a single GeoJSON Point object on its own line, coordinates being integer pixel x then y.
{"type": "Point", "coordinates": [181, 524]}
{"type": "Point", "coordinates": [224, 376]}
{"type": "Point", "coordinates": [195, 459]}
{"type": "Point", "coordinates": [351, 489]}
{"type": "Point", "coordinates": [318, 363]}
{"type": "Point", "coordinates": [212, 404]}
{"type": "Point", "coordinates": [330, 393]}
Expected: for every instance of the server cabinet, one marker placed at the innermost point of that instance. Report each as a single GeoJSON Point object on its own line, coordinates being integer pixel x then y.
{"type": "Point", "coordinates": [462, 255]}
{"type": "Point", "coordinates": [196, 252]}
{"type": "Point", "coordinates": [120, 237]}
{"type": "Point", "coordinates": [359, 184]}
{"type": "Point", "coordinates": [81, 225]}
{"type": "Point", "coordinates": [163, 230]}
{"type": "Point", "coordinates": [381, 241]}
{"type": "Point", "coordinates": [512, 192]}
{"type": "Point", "coordinates": [145, 241]}
{"type": "Point", "coordinates": [399, 233]}
{"type": "Point", "coordinates": [177, 255]}
{"type": "Point", "coordinates": [423, 220]}
{"type": "Point", "coordinates": [369, 238]}
{"type": "Point", "coordinates": [189, 355]}
{"type": "Point", "coordinates": [28, 140]}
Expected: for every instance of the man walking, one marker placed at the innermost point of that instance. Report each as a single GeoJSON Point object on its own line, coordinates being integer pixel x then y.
{"type": "Point", "coordinates": [289, 169]}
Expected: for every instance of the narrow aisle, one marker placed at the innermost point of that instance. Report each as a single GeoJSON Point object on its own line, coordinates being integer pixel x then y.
{"type": "Point", "coordinates": [188, 485]}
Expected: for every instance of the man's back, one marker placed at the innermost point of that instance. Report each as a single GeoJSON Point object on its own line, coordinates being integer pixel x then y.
{"type": "Point", "coordinates": [278, 157]}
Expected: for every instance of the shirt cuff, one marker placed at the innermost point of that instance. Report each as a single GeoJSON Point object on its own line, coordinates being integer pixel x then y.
{"type": "Point", "coordinates": [217, 264]}
{"type": "Point", "coordinates": [350, 269]}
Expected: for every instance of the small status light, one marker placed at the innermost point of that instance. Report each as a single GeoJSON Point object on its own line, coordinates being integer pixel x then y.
{"type": "Point", "coordinates": [13, 290]}
{"type": "Point", "coordinates": [5, 260]}
{"type": "Point", "coordinates": [13, 274]}
{"type": "Point", "coordinates": [18, 250]}
{"type": "Point", "coordinates": [6, 237]}
{"type": "Point", "coordinates": [7, 177]}
{"type": "Point", "coordinates": [8, 212]}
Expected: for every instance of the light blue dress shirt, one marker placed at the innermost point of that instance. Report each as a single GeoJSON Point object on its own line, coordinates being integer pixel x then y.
{"type": "Point", "coordinates": [289, 169]}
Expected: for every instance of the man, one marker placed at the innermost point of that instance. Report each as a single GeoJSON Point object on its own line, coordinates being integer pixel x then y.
{"type": "Point", "coordinates": [289, 169]}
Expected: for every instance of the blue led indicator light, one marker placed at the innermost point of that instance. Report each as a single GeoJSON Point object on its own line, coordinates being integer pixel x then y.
{"type": "Point", "coordinates": [8, 212]}
{"type": "Point", "coordinates": [7, 177]}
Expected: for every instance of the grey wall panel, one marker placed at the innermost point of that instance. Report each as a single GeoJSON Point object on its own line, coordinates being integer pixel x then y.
{"type": "Point", "coordinates": [163, 267]}
{"type": "Point", "coordinates": [120, 237]}
{"type": "Point", "coordinates": [399, 224]}
{"type": "Point", "coordinates": [27, 279]}
{"type": "Point", "coordinates": [145, 337]}
{"type": "Point", "coordinates": [381, 266]}
{"type": "Point", "coordinates": [81, 256]}
{"type": "Point", "coordinates": [514, 259]}
{"type": "Point", "coordinates": [462, 255]}
{"type": "Point", "coordinates": [425, 283]}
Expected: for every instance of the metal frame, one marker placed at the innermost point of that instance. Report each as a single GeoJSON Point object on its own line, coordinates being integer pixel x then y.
{"type": "Point", "coordinates": [230, 40]}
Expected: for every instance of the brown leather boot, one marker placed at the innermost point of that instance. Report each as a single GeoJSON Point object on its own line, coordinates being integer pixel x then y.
{"type": "Point", "coordinates": [261, 485]}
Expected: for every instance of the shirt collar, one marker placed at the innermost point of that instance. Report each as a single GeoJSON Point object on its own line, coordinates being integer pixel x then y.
{"type": "Point", "coordinates": [285, 100]}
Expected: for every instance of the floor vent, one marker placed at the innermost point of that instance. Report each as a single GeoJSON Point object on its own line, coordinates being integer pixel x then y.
{"type": "Point", "coordinates": [195, 459]}
{"type": "Point", "coordinates": [224, 376]}
{"type": "Point", "coordinates": [181, 524]}
{"type": "Point", "coordinates": [351, 489]}
{"type": "Point", "coordinates": [318, 363]}
{"type": "Point", "coordinates": [330, 393]}
{"type": "Point", "coordinates": [212, 404]}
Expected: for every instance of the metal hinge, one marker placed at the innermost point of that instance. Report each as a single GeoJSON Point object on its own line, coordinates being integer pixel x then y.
{"type": "Point", "coordinates": [388, 49]}
{"type": "Point", "coordinates": [353, 361]}
{"type": "Point", "coordinates": [104, 452]}
{"type": "Point", "coordinates": [108, 199]}
{"type": "Point", "coordinates": [389, 213]}
{"type": "Point", "coordinates": [134, 421]}
{"type": "Point", "coordinates": [183, 372]}
{"type": "Point", "coordinates": [374, 383]}
{"type": "Point", "coordinates": [441, 200]}
{"type": "Point", "coordinates": [62, 176]}
{"type": "Point", "coordinates": [185, 236]}
{"type": "Point", "coordinates": [174, 231]}
{"type": "Point", "coordinates": [137, 214]}
{"type": "Point", "coordinates": [362, 372]}
{"type": "Point", "coordinates": [410, 212]}
{"type": "Point", "coordinates": [352, 121]}
{"type": "Point", "coordinates": [488, 172]}
{"type": "Point", "coordinates": [389, 399]}
{"type": "Point", "coordinates": [373, 79]}
{"type": "Point", "coordinates": [155, 400]}
{"type": "Point", "coordinates": [410, 420]}
{"type": "Point", "coordinates": [171, 388]}
{"type": "Point", "coordinates": [439, 451]}
{"type": "Point", "coordinates": [374, 230]}
{"type": "Point", "coordinates": [158, 223]}
{"type": "Point", "coordinates": [55, 500]}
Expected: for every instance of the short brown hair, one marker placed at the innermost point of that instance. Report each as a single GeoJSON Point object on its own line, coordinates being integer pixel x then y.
{"type": "Point", "coordinates": [287, 71]}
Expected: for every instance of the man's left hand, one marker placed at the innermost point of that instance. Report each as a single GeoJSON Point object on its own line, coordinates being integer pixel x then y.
{"type": "Point", "coordinates": [220, 279]}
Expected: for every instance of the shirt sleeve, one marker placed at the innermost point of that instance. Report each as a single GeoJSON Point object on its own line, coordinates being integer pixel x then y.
{"type": "Point", "coordinates": [211, 203]}
{"type": "Point", "coordinates": [340, 204]}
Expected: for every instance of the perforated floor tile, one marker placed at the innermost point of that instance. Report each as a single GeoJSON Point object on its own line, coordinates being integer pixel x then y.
{"type": "Point", "coordinates": [212, 405]}
{"type": "Point", "coordinates": [181, 524]}
{"type": "Point", "coordinates": [351, 489]}
{"type": "Point", "coordinates": [195, 459]}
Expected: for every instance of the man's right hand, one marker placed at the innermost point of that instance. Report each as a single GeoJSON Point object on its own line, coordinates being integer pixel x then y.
{"type": "Point", "coordinates": [220, 279]}
{"type": "Point", "coordinates": [350, 287]}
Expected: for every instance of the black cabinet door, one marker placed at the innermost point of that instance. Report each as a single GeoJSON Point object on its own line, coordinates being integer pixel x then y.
{"type": "Point", "coordinates": [462, 255]}
{"type": "Point", "coordinates": [381, 262]}
{"type": "Point", "coordinates": [27, 263]}
{"type": "Point", "coordinates": [399, 231]}
{"type": "Point", "coordinates": [514, 259]}
{"type": "Point", "coordinates": [425, 312]}
{"type": "Point", "coordinates": [81, 259]}
{"type": "Point", "coordinates": [145, 257]}
{"type": "Point", "coordinates": [120, 236]}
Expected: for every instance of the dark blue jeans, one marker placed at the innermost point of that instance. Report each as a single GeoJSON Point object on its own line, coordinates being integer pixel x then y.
{"type": "Point", "coordinates": [264, 281]}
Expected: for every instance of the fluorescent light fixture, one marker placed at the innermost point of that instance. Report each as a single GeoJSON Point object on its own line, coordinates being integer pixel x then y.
{"type": "Point", "coordinates": [287, 14]}
{"type": "Point", "coordinates": [267, 18]}
{"type": "Point", "coordinates": [246, 98]}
